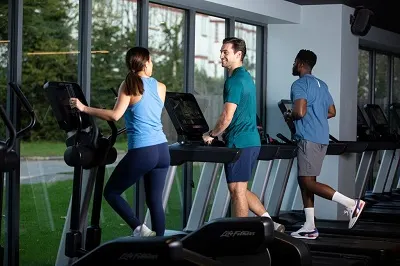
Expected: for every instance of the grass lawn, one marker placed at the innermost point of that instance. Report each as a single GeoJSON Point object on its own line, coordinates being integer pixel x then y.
{"type": "Point", "coordinates": [44, 207]}
{"type": "Point", "coordinates": [43, 210]}
{"type": "Point", "coordinates": [46, 148]}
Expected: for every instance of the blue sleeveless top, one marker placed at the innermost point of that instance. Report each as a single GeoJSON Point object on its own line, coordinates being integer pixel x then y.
{"type": "Point", "coordinates": [143, 119]}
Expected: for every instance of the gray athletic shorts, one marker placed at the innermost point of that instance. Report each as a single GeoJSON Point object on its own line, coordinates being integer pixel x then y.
{"type": "Point", "coordinates": [310, 156]}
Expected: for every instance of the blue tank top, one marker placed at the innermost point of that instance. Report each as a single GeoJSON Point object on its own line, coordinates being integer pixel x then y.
{"type": "Point", "coordinates": [143, 119]}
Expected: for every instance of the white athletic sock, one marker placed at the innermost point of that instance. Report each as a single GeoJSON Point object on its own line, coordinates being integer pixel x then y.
{"type": "Point", "coordinates": [145, 229]}
{"type": "Point", "coordinates": [309, 224]}
{"type": "Point", "coordinates": [342, 199]}
{"type": "Point", "coordinates": [137, 230]}
{"type": "Point", "coordinates": [266, 214]}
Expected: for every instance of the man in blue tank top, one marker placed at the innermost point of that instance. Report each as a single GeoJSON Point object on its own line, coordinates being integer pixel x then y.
{"type": "Point", "coordinates": [312, 107]}
{"type": "Point", "coordinates": [239, 121]}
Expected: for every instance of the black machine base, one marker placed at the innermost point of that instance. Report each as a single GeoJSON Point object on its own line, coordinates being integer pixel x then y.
{"type": "Point", "coordinates": [135, 251]}
{"type": "Point", "coordinates": [227, 244]}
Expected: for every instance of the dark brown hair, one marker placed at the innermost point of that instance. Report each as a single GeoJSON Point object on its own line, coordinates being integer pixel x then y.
{"type": "Point", "coordinates": [135, 60]}
{"type": "Point", "coordinates": [237, 45]}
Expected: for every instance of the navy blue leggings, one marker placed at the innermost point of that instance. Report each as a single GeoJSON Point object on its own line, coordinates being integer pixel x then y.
{"type": "Point", "coordinates": [150, 162]}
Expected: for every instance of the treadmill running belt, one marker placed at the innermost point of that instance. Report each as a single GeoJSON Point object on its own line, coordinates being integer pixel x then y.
{"type": "Point", "coordinates": [379, 252]}
{"type": "Point", "coordinates": [362, 228]}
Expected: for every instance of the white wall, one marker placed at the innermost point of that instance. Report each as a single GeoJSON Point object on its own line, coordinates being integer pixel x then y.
{"type": "Point", "coordinates": [275, 11]}
{"type": "Point", "coordinates": [325, 30]}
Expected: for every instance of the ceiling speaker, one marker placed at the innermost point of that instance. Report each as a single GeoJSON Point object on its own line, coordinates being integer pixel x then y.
{"type": "Point", "coordinates": [360, 21]}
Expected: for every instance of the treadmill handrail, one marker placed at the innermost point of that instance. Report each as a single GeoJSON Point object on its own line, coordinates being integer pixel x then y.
{"type": "Point", "coordinates": [27, 106]}
{"type": "Point", "coordinates": [11, 129]}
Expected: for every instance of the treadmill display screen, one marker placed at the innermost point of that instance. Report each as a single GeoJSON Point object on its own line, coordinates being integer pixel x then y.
{"type": "Point", "coordinates": [58, 95]}
{"type": "Point", "coordinates": [379, 116]}
{"type": "Point", "coordinates": [185, 113]}
{"type": "Point", "coordinates": [360, 118]}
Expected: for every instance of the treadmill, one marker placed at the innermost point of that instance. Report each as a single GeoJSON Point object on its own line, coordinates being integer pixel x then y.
{"type": "Point", "coordinates": [363, 227]}
{"type": "Point", "coordinates": [383, 206]}
{"type": "Point", "coordinates": [334, 235]}
{"type": "Point", "coordinates": [190, 125]}
{"type": "Point", "coordinates": [395, 112]}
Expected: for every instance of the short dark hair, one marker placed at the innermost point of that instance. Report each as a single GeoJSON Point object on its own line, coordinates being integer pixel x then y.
{"type": "Point", "coordinates": [237, 45]}
{"type": "Point", "coordinates": [307, 57]}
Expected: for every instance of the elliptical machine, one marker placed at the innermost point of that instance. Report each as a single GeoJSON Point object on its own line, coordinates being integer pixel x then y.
{"type": "Point", "coordinates": [88, 149]}
{"type": "Point", "coordinates": [10, 160]}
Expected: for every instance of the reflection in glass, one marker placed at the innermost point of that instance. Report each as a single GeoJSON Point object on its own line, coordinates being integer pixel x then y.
{"type": "Point", "coordinates": [113, 33]}
{"type": "Point", "coordinates": [396, 80]}
{"type": "Point", "coordinates": [166, 48]}
{"type": "Point", "coordinates": [166, 26]}
{"type": "Point", "coordinates": [249, 34]}
{"type": "Point", "coordinates": [381, 82]}
{"type": "Point", "coordinates": [363, 78]}
{"type": "Point", "coordinates": [50, 53]}
{"type": "Point", "coordinates": [209, 74]}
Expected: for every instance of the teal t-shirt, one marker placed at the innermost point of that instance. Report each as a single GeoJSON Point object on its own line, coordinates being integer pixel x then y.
{"type": "Point", "coordinates": [239, 89]}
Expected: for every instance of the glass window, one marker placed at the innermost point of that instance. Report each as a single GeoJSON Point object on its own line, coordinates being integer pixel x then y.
{"type": "Point", "coordinates": [3, 61]}
{"type": "Point", "coordinates": [363, 78]}
{"type": "Point", "coordinates": [396, 80]}
{"type": "Point", "coordinates": [167, 50]}
{"type": "Point", "coordinates": [50, 53]}
{"type": "Point", "coordinates": [249, 34]}
{"type": "Point", "coordinates": [381, 81]}
{"type": "Point", "coordinates": [113, 34]}
{"type": "Point", "coordinates": [209, 74]}
{"type": "Point", "coordinates": [166, 47]}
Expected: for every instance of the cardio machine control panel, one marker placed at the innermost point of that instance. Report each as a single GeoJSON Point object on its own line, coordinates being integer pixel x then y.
{"type": "Point", "coordinates": [190, 125]}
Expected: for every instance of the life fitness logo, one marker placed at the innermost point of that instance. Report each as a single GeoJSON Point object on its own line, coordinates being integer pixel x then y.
{"type": "Point", "coordinates": [138, 256]}
{"type": "Point", "coordinates": [237, 233]}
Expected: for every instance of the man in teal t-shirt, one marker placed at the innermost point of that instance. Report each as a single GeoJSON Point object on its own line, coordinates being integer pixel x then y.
{"type": "Point", "coordinates": [239, 121]}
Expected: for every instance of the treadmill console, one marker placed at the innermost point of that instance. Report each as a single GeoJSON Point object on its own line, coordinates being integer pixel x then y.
{"type": "Point", "coordinates": [395, 117]}
{"type": "Point", "coordinates": [364, 132]}
{"type": "Point", "coordinates": [186, 115]}
{"type": "Point", "coordinates": [284, 106]}
{"type": "Point", "coordinates": [378, 121]}
{"type": "Point", "coordinates": [58, 95]}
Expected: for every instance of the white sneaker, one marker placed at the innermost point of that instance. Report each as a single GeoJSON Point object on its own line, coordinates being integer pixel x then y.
{"type": "Point", "coordinates": [355, 212]}
{"type": "Point", "coordinates": [305, 233]}
{"type": "Point", "coordinates": [143, 231]}
{"type": "Point", "coordinates": [279, 227]}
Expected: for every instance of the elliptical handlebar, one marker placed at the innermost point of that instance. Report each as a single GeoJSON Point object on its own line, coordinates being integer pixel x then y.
{"type": "Point", "coordinates": [13, 134]}
{"type": "Point", "coordinates": [27, 106]}
{"type": "Point", "coordinates": [114, 133]}
{"type": "Point", "coordinates": [78, 130]}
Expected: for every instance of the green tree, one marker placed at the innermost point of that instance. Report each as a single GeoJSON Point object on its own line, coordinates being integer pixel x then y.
{"type": "Point", "coordinates": [47, 27]}
{"type": "Point", "coordinates": [169, 62]}
{"type": "Point", "coordinates": [114, 32]}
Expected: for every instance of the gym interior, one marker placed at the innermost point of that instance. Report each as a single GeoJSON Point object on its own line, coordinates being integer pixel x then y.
{"type": "Point", "coordinates": [82, 44]}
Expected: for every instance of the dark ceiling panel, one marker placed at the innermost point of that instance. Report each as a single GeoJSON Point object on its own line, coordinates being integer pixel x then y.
{"type": "Point", "coordinates": [385, 13]}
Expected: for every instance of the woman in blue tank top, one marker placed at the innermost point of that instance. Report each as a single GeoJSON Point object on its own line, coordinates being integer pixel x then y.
{"type": "Point", "coordinates": [140, 100]}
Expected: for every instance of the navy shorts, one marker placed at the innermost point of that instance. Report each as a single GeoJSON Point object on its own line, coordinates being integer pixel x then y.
{"type": "Point", "coordinates": [242, 169]}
